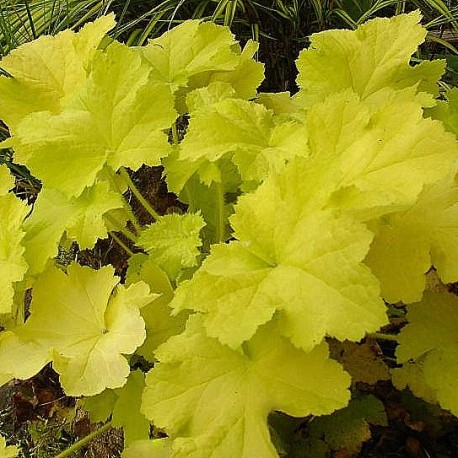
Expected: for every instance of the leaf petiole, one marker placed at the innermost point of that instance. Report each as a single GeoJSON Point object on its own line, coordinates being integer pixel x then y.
{"type": "Point", "coordinates": [84, 441]}
{"type": "Point", "coordinates": [175, 137]}
{"type": "Point", "coordinates": [381, 336]}
{"type": "Point", "coordinates": [147, 206]}
{"type": "Point", "coordinates": [121, 244]}
{"type": "Point", "coordinates": [114, 183]}
{"type": "Point", "coordinates": [220, 217]}
{"type": "Point", "coordinates": [120, 228]}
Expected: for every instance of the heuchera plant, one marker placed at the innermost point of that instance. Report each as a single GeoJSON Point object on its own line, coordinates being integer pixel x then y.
{"type": "Point", "coordinates": [307, 214]}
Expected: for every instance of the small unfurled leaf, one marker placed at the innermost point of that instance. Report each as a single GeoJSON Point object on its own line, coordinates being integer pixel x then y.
{"type": "Point", "coordinates": [173, 242]}
{"type": "Point", "coordinates": [159, 321]}
{"type": "Point", "coordinates": [209, 95]}
{"type": "Point", "coordinates": [447, 111]}
{"type": "Point", "coordinates": [81, 218]}
{"type": "Point", "coordinates": [280, 103]}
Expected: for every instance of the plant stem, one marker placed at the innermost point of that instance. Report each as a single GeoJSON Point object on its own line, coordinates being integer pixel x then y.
{"type": "Point", "coordinates": [133, 218]}
{"type": "Point", "coordinates": [114, 183]}
{"type": "Point", "coordinates": [121, 244]}
{"type": "Point", "coordinates": [381, 336]}
{"type": "Point", "coordinates": [188, 197]}
{"type": "Point", "coordinates": [20, 313]}
{"type": "Point", "coordinates": [175, 136]}
{"type": "Point", "coordinates": [147, 206]}
{"type": "Point", "coordinates": [84, 441]}
{"type": "Point", "coordinates": [120, 228]}
{"type": "Point", "coordinates": [220, 220]}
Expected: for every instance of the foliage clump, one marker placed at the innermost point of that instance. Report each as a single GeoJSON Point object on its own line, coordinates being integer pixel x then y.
{"type": "Point", "coordinates": [296, 206]}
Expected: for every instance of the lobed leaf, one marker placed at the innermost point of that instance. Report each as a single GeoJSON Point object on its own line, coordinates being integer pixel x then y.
{"type": "Point", "coordinates": [173, 242]}
{"type": "Point", "coordinates": [174, 61]}
{"type": "Point", "coordinates": [386, 151]}
{"type": "Point", "coordinates": [348, 428]}
{"type": "Point", "coordinates": [447, 111]}
{"type": "Point", "coordinates": [411, 375]}
{"type": "Point", "coordinates": [369, 59]}
{"type": "Point", "coordinates": [10, 451]}
{"type": "Point", "coordinates": [6, 180]}
{"type": "Point", "coordinates": [292, 257]}
{"type": "Point", "coordinates": [82, 322]}
{"type": "Point", "coordinates": [223, 397]}
{"type": "Point", "coordinates": [247, 75]}
{"type": "Point", "coordinates": [159, 322]}
{"type": "Point", "coordinates": [407, 243]}
{"type": "Point", "coordinates": [361, 360]}
{"type": "Point", "coordinates": [430, 340]}
{"type": "Point", "coordinates": [47, 72]}
{"type": "Point", "coordinates": [123, 404]}
{"type": "Point", "coordinates": [80, 218]}
{"type": "Point", "coordinates": [12, 263]}
{"type": "Point", "coordinates": [195, 54]}
{"type": "Point", "coordinates": [118, 119]}
{"type": "Point", "coordinates": [256, 141]}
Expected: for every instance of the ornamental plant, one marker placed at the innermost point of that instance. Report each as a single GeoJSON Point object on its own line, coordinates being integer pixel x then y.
{"type": "Point", "coordinates": [307, 215]}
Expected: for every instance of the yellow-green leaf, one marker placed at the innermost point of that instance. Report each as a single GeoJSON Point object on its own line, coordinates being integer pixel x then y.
{"type": "Point", "coordinates": [221, 403]}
